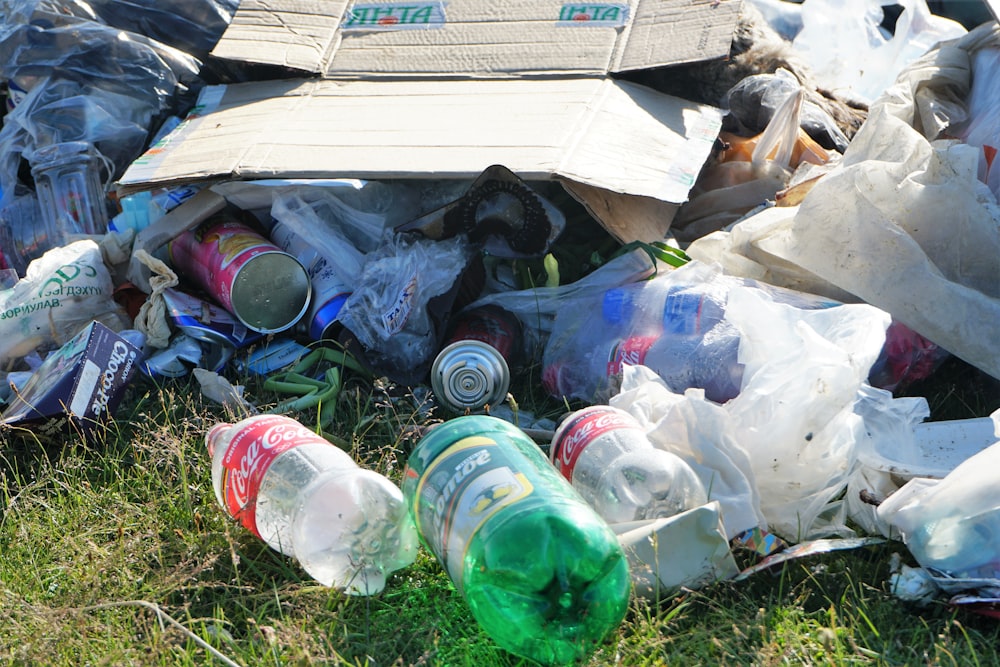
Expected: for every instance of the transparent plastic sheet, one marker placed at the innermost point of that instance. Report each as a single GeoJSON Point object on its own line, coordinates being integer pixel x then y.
{"type": "Point", "coordinates": [193, 26]}
{"type": "Point", "coordinates": [785, 447]}
{"type": "Point", "coordinates": [951, 525]}
{"type": "Point", "coordinates": [902, 222]}
{"type": "Point", "coordinates": [982, 128]}
{"type": "Point", "coordinates": [737, 182]}
{"type": "Point", "coordinates": [76, 80]}
{"type": "Point", "coordinates": [853, 56]}
{"type": "Point", "coordinates": [390, 311]}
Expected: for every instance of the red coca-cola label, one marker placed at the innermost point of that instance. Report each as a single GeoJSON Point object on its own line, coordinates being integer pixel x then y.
{"type": "Point", "coordinates": [584, 427]}
{"type": "Point", "coordinates": [251, 451]}
{"type": "Point", "coordinates": [493, 326]}
{"type": "Point", "coordinates": [631, 351]}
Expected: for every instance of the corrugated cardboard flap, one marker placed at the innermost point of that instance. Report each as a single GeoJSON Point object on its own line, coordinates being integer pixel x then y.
{"type": "Point", "coordinates": [618, 136]}
{"type": "Point", "coordinates": [476, 38]}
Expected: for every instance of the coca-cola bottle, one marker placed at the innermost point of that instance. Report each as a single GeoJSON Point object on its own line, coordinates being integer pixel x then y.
{"type": "Point", "coordinates": [347, 526]}
{"type": "Point", "coordinates": [604, 452]}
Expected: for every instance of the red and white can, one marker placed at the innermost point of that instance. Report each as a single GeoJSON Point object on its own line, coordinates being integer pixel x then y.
{"type": "Point", "coordinates": [265, 288]}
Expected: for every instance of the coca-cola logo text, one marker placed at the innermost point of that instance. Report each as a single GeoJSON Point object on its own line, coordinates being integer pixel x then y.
{"type": "Point", "coordinates": [584, 428]}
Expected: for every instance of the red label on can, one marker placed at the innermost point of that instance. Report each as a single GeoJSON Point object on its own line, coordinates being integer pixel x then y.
{"type": "Point", "coordinates": [250, 453]}
{"type": "Point", "coordinates": [214, 254]}
{"type": "Point", "coordinates": [491, 325]}
{"type": "Point", "coordinates": [631, 351]}
{"type": "Point", "coordinates": [584, 427]}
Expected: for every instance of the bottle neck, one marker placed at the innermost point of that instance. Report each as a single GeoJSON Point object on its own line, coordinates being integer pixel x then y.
{"type": "Point", "coordinates": [213, 436]}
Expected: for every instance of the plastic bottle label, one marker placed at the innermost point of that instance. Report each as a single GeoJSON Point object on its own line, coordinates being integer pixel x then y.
{"type": "Point", "coordinates": [631, 351]}
{"type": "Point", "coordinates": [464, 486]}
{"type": "Point", "coordinates": [250, 453]}
{"type": "Point", "coordinates": [580, 431]}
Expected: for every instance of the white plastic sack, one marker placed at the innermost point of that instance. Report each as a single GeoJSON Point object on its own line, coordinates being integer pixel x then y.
{"type": "Point", "coordinates": [779, 455]}
{"type": "Point", "coordinates": [902, 222]}
{"type": "Point", "coordinates": [850, 53]}
{"type": "Point", "coordinates": [62, 291]}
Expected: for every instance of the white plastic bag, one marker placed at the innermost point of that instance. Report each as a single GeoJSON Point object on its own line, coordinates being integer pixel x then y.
{"type": "Point", "coordinates": [902, 222]}
{"type": "Point", "coordinates": [849, 52]}
{"type": "Point", "coordinates": [62, 291]}
{"type": "Point", "coordinates": [951, 526]}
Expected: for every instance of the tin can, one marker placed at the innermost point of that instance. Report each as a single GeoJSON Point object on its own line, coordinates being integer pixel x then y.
{"type": "Point", "coordinates": [473, 371]}
{"type": "Point", "coordinates": [329, 290]}
{"type": "Point", "coordinates": [262, 286]}
{"type": "Point", "coordinates": [206, 321]}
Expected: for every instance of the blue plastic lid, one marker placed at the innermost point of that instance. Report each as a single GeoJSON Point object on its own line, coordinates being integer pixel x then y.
{"type": "Point", "coordinates": [617, 305]}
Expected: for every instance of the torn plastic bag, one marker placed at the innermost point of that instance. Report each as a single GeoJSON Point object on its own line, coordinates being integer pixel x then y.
{"type": "Point", "coordinates": [748, 171]}
{"type": "Point", "coordinates": [688, 550]}
{"type": "Point", "coordinates": [851, 54]}
{"type": "Point", "coordinates": [982, 127]}
{"type": "Point", "coordinates": [793, 419]}
{"type": "Point", "coordinates": [902, 222]}
{"type": "Point", "coordinates": [63, 291]}
{"type": "Point", "coordinates": [755, 100]}
{"type": "Point", "coordinates": [951, 525]}
{"type": "Point", "coordinates": [193, 26]}
{"type": "Point", "coordinates": [404, 296]}
{"type": "Point", "coordinates": [704, 435]}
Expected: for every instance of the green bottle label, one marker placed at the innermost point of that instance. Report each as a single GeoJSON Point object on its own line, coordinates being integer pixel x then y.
{"type": "Point", "coordinates": [465, 485]}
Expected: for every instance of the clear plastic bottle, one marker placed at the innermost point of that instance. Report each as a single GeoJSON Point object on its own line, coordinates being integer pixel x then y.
{"type": "Point", "coordinates": [604, 452]}
{"type": "Point", "coordinates": [543, 574]}
{"type": "Point", "coordinates": [347, 526]}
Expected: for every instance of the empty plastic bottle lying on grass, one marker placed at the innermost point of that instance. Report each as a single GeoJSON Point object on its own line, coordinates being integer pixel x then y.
{"type": "Point", "coordinates": [347, 526]}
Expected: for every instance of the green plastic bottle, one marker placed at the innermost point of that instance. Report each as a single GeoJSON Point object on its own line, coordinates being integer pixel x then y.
{"type": "Point", "coordinates": [543, 574]}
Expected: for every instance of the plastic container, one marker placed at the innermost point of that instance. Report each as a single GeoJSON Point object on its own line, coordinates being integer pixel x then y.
{"type": "Point", "coordinates": [606, 456]}
{"type": "Point", "coordinates": [543, 574]}
{"type": "Point", "coordinates": [348, 527]}
{"type": "Point", "coordinates": [68, 185]}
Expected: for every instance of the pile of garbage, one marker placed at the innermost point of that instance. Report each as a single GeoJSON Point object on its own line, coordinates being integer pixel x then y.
{"type": "Point", "coordinates": [730, 253]}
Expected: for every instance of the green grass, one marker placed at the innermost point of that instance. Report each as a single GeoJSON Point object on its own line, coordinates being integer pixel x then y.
{"type": "Point", "coordinates": [95, 538]}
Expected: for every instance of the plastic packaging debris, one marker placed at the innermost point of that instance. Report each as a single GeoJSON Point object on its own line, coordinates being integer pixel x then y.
{"type": "Point", "coordinates": [322, 243]}
{"type": "Point", "coordinates": [982, 128]}
{"type": "Point", "coordinates": [403, 299]}
{"type": "Point", "coordinates": [793, 418]}
{"type": "Point", "coordinates": [902, 222]}
{"type": "Point", "coordinates": [810, 548]}
{"type": "Point", "coordinates": [849, 52]}
{"type": "Point", "coordinates": [687, 550]}
{"type": "Point", "coordinates": [347, 526]}
{"type": "Point", "coordinates": [748, 171]}
{"type": "Point", "coordinates": [950, 525]}
{"type": "Point", "coordinates": [61, 292]}
{"type": "Point", "coordinates": [67, 179]}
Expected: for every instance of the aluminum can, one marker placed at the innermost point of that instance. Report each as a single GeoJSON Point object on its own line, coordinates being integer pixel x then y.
{"type": "Point", "coordinates": [265, 288]}
{"type": "Point", "coordinates": [473, 370]}
{"type": "Point", "coordinates": [329, 291]}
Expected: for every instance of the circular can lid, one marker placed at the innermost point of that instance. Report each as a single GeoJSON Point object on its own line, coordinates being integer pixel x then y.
{"type": "Point", "coordinates": [271, 292]}
{"type": "Point", "coordinates": [469, 374]}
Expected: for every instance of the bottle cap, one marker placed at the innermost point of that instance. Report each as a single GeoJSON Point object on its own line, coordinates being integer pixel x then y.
{"type": "Point", "coordinates": [617, 306]}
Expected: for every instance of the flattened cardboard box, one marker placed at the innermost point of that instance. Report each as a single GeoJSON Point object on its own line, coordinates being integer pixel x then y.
{"type": "Point", "coordinates": [629, 153]}
{"type": "Point", "coordinates": [477, 38]}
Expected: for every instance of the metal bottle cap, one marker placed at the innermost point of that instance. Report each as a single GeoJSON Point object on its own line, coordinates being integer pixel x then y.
{"type": "Point", "coordinates": [469, 374]}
